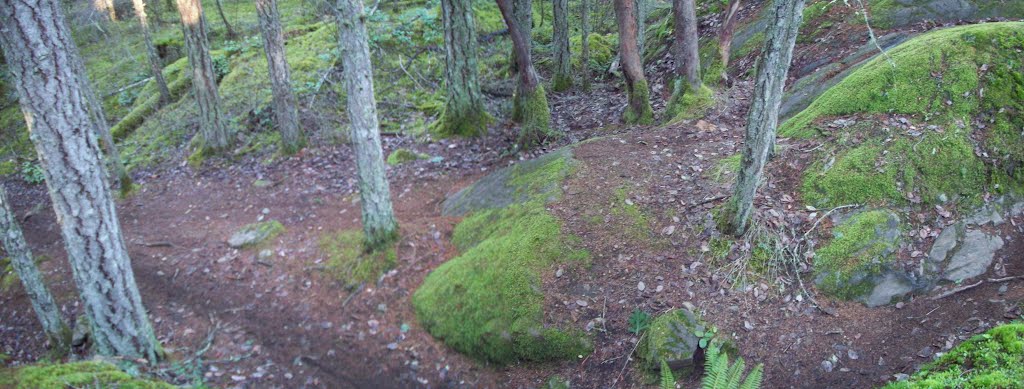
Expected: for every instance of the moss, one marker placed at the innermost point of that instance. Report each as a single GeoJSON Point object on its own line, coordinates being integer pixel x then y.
{"type": "Point", "coordinates": [561, 82]}
{"type": "Point", "coordinates": [670, 338]}
{"type": "Point", "coordinates": [535, 118]}
{"type": "Point", "coordinates": [544, 181]}
{"type": "Point", "coordinates": [400, 156]}
{"type": "Point", "coordinates": [254, 234]}
{"type": "Point", "coordinates": [602, 51]}
{"type": "Point", "coordinates": [719, 249]}
{"type": "Point", "coordinates": [994, 359]}
{"type": "Point", "coordinates": [634, 221]}
{"type": "Point", "coordinates": [80, 374]}
{"type": "Point", "coordinates": [710, 62]}
{"type": "Point", "coordinates": [466, 124]}
{"type": "Point", "coordinates": [887, 14]}
{"type": "Point", "coordinates": [860, 248]}
{"type": "Point", "coordinates": [639, 110]}
{"type": "Point", "coordinates": [178, 82]}
{"type": "Point", "coordinates": [557, 382]}
{"type": "Point", "coordinates": [685, 104]}
{"type": "Point", "coordinates": [751, 45]}
{"type": "Point", "coordinates": [725, 169]}
{"type": "Point", "coordinates": [349, 261]}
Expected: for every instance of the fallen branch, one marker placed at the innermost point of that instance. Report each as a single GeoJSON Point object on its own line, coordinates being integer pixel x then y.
{"type": "Point", "coordinates": [621, 372]}
{"type": "Point", "coordinates": [957, 290]}
{"type": "Point", "coordinates": [156, 244]}
{"type": "Point", "coordinates": [1004, 279]}
{"type": "Point", "coordinates": [816, 222]}
{"type": "Point", "coordinates": [129, 86]}
{"type": "Point", "coordinates": [713, 199]}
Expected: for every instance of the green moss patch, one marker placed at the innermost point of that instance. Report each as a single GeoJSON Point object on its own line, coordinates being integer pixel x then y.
{"type": "Point", "coordinates": [639, 110]}
{"type": "Point", "coordinates": [535, 117]}
{"type": "Point", "coordinates": [602, 51]}
{"type": "Point", "coordinates": [80, 375]}
{"type": "Point", "coordinates": [400, 156]}
{"type": "Point", "coordinates": [672, 339]}
{"type": "Point", "coordinates": [860, 249]}
{"type": "Point", "coordinates": [685, 104]}
{"type": "Point", "coordinates": [634, 221]}
{"type": "Point", "coordinates": [253, 234]}
{"type": "Point", "coordinates": [994, 359]}
{"type": "Point", "coordinates": [348, 260]}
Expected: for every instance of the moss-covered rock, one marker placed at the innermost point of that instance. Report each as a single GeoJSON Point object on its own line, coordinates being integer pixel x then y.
{"type": "Point", "coordinates": [80, 375]}
{"type": "Point", "coordinates": [994, 359]}
{"type": "Point", "coordinates": [638, 110]}
{"type": "Point", "coordinates": [348, 260]}
{"type": "Point", "coordinates": [899, 13]}
{"type": "Point", "coordinates": [534, 115]}
{"type": "Point", "coordinates": [400, 156]}
{"type": "Point", "coordinates": [674, 338]}
{"type": "Point", "coordinates": [255, 233]}
{"type": "Point", "coordinates": [851, 264]}
{"type": "Point", "coordinates": [488, 302]}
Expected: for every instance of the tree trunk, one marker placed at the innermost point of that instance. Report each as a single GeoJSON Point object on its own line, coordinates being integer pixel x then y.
{"type": "Point", "coordinates": [464, 112]}
{"type": "Point", "coordinates": [638, 110]}
{"type": "Point", "coordinates": [687, 60]}
{"type": "Point", "coordinates": [641, 9]}
{"type": "Point", "coordinates": [204, 82]}
{"type": "Point", "coordinates": [585, 43]}
{"type": "Point", "coordinates": [155, 68]}
{"type": "Point", "coordinates": [523, 11]}
{"type": "Point", "coordinates": [286, 116]}
{"type": "Point", "coordinates": [562, 79]}
{"type": "Point", "coordinates": [763, 119]}
{"type": "Point", "coordinates": [725, 36]}
{"type": "Point", "coordinates": [25, 267]}
{"type": "Point", "coordinates": [379, 225]}
{"type": "Point", "coordinates": [530, 99]}
{"type": "Point", "coordinates": [107, 7]}
{"type": "Point", "coordinates": [40, 55]}
{"type": "Point", "coordinates": [227, 26]}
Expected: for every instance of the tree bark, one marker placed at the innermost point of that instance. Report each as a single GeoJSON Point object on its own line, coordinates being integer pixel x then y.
{"type": "Point", "coordinates": [464, 112]}
{"type": "Point", "coordinates": [40, 54]}
{"type": "Point", "coordinates": [562, 79]}
{"type": "Point", "coordinates": [685, 42]}
{"type": "Point", "coordinates": [107, 7]}
{"type": "Point", "coordinates": [523, 16]}
{"type": "Point", "coordinates": [763, 119]}
{"type": "Point", "coordinates": [286, 115]}
{"type": "Point", "coordinates": [638, 110]}
{"type": "Point", "coordinates": [530, 100]}
{"type": "Point", "coordinates": [227, 26]}
{"type": "Point", "coordinates": [35, 287]}
{"type": "Point", "coordinates": [379, 225]}
{"type": "Point", "coordinates": [155, 67]}
{"type": "Point", "coordinates": [725, 36]}
{"type": "Point", "coordinates": [585, 43]}
{"type": "Point", "coordinates": [641, 9]}
{"type": "Point", "coordinates": [204, 82]}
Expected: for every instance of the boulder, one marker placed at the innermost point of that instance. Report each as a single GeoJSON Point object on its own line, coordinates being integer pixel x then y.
{"type": "Point", "coordinates": [975, 255]}
{"type": "Point", "coordinates": [538, 178]}
{"type": "Point", "coordinates": [674, 338]}
{"type": "Point", "coordinates": [255, 233]}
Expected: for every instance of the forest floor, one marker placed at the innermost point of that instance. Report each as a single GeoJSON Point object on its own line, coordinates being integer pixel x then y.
{"type": "Point", "coordinates": [284, 321]}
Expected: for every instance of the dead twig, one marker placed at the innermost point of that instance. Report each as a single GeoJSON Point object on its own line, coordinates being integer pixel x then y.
{"type": "Point", "coordinates": [957, 290]}
{"type": "Point", "coordinates": [816, 222]}
{"type": "Point", "coordinates": [628, 356]}
{"type": "Point", "coordinates": [1004, 279]}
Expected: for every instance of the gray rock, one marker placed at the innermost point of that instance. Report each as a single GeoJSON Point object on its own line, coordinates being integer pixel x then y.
{"type": "Point", "coordinates": [974, 256]}
{"type": "Point", "coordinates": [255, 233]}
{"type": "Point", "coordinates": [504, 187]}
{"type": "Point", "coordinates": [986, 214]}
{"type": "Point", "coordinates": [673, 338]}
{"type": "Point", "coordinates": [892, 285]}
{"type": "Point", "coordinates": [946, 242]}
{"type": "Point", "coordinates": [907, 12]}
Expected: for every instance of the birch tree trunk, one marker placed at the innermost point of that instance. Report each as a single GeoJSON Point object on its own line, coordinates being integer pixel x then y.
{"type": "Point", "coordinates": [530, 98]}
{"type": "Point", "coordinates": [155, 68]}
{"type": "Point", "coordinates": [286, 116]}
{"type": "Point", "coordinates": [379, 225]}
{"type": "Point", "coordinates": [35, 287]}
{"type": "Point", "coordinates": [763, 119]}
{"type": "Point", "coordinates": [725, 36]}
{"type": "Point", "coordinates": [562, 79]}
{"type": "Point", "coordinates": [227, 26]}
{"type": "Point", "coordinates": [40, 54]}
{"type": "Point", "coordinates": [464, 112]}
{"type": "Point", "coordinates": [638, 110]}
{"type": "Point", "coordinates": [204, 82]}
{"type": "Point", "coordinates": [585, 43]}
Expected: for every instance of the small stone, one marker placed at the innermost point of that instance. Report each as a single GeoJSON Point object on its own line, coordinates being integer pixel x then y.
{"type": "Point", "coordinates": [899, 305]}
{"type": "Point", "coordinates": [747, 326]}
{"type": "Point", "coordinates": [1003, 288]}
{"type": "Point", "coordinates": [265, 211]}
{"type": "Point", "coordinates": [826, 366]}
{"type": "Point", "coordinates": [926, 352]}
{"type": "Point", "coordinates": [852, 354]}
{"type": "Point", "coordinates": [581, 303]}
{"type": "Point", "coordinates": [641, 286]}
{"type": "Point", "coordinates": [901, 376]}
{"type": "Point", "coordinates": [266, 254]}
{"type": "Point", "coordinates": [392, 346]}
{"type": "Point", "coordinates": [382, 307]}
{"type": "Point", "coordinates": [659, 288]}
{"type": "Point", "coordinates": [559, 272]}
{"type": "Point", "coordinates": [238, 378]}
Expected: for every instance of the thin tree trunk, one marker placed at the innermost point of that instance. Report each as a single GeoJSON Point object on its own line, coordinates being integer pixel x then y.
{"type": "Point", "coordinates": [530, 98]}
{"type": "Point", "coordinates": [464, 112]}
{"type": "Point", "coordinates": [155, 68]}
{"type": "Point", "coordinates": [685, 44]}
{"type": "Point", "coordinates": [763, 119]}
{"type": "Point", "coordinates": [107, 7]}
{"type": "Point", "coordinates": [562, 79]}
{"type": "Point", "coordinates": [204, 82]}
{"type": "Point", "coordinates": [286, 116]}
{"type": "Point", "coordinates": [40, 54]}
{"type": "Point", "coordinates": [523, 11]}
{"type": "Point", "coordinates": [585, 43]}
{"type": "Point", "coordinates": [641, 9]}
{"type": "Point", "coordinates": [725, 36]}
{"type": "Point", "coordinates": [638, 110]}
{"type": "Point", "coordinates": [227, 26]}
{"type": "Point", "coordinates": [35, 287]}
{"type": "Point", "coordinates": [379, 225]}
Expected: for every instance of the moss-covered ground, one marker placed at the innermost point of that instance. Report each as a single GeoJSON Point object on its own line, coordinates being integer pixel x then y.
{"type": "Point", "coordinates": [89, 374]}
{"type": "Point", "coordinates": [348, 261]}
{"type": "Point", "coordinates": [994, 359]}
{"type": "Point", "coordinates": [858, 250]}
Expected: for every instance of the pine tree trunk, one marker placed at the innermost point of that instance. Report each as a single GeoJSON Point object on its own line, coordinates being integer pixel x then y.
{"type": "Point", "coordinates": [464, 112]}
{"type": "Point", "coordinates": [530, 98]}
{"type": "Point", "coordinates": [763, 119]}
{"type": "Point", "coordinates": [725, 36]}
{"type": "Point", "coordinates": [107, 7]}
{"type": "Point", "coordinates": [585, 43]}
{"type": "Point", "coordinates": [523, 11]}
{"type": "Point", "coordinates": [204, 82]}
{"type": "Point", "coordinates": [155, 68]}
{"type": "Point", "coordinates": [379, 225]}
{"type": "Point", "coordinates": [638, 110]}
{"type": "Point", "coordinates": [227, 26]}
{"type": "Point", "coordinates": [40, 54]}
{"type": "Point", "coordinates": [286, 116]}
{"type": "Point", "coordinates": [25, 267]}
{"type": "Point", "coordinates": [562, 80]}
{"type": "Point", "coordinates": [687, 64]}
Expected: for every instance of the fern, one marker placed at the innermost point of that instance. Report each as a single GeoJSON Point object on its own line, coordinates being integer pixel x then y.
{"type": "Point", "coordinates": [667, 380]}
{"type": "Point", "coordinates": [720, 374]}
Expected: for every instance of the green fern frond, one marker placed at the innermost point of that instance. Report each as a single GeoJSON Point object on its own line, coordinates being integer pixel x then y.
{"type": "Point", "coordinates": [667, 380]}
{"type": "Point", "coordinates": [716, 373]}
{"type": "Point", "coordinates": [753, 380]}
{"type": "Point", "coordinates": [735, 374]}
